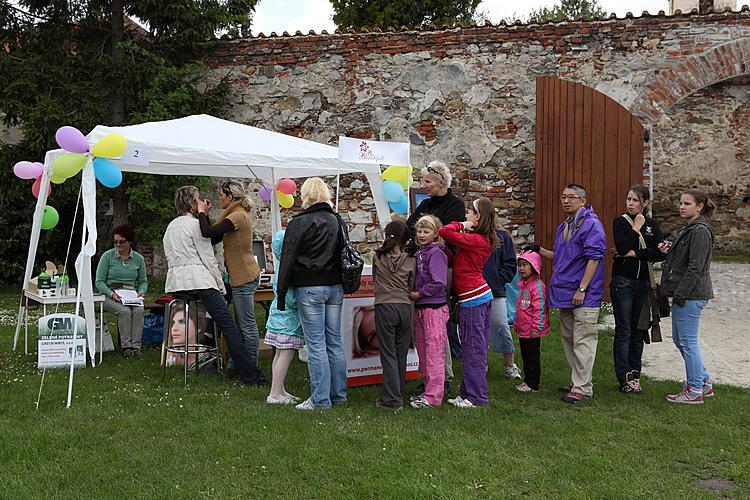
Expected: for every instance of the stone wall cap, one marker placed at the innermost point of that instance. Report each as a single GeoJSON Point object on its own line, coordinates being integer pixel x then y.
{"type": "Point", "coordinates": [726, 12]}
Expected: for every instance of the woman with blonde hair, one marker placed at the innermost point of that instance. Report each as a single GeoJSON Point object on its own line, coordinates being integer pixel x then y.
{"type": "Point", "coordinates": [311, 263]}
{"type": "Point", "coordinates": [235, 228]}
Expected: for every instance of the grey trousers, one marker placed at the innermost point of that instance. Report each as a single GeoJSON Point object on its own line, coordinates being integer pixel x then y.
{"type": "Point", "coordinates": [393, 323]}
{"type": "Point", "coordinates": [129, 323]}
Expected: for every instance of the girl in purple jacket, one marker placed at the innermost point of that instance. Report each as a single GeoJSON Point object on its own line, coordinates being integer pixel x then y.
{"type": "Point", "coordinates": [430, 311]}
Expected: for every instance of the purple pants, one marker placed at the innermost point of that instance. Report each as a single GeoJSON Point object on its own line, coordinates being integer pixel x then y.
{"type": "Point", "coordinates": [474, 327]}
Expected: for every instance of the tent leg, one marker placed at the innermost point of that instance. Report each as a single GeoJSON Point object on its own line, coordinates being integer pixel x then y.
{"type": "Point", "coordinates": [21, 312]}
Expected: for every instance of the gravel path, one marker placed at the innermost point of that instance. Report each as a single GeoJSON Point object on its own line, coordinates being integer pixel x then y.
{"type": "Point", "coordinates": [724, 338]}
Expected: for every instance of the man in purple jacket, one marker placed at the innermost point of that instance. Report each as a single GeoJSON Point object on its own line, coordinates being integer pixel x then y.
{"type": "Point", "coordinates": [577, 287]}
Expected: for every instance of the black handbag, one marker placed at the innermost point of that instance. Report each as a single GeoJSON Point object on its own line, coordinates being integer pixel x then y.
{"type": "Point", "coordinates": [663, 303]}
{"type": "Point", "coordinates": [351, 262]}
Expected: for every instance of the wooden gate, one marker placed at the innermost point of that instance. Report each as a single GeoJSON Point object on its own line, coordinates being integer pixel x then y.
{"type": "Point", "coordinates": [583, 137]}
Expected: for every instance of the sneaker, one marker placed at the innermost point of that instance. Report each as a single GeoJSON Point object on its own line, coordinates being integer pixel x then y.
{"type": "Point", "coordinates": [513, 372]}
{"type": "Point", "coordinates": [688, 396]}
{"type": "Point", "coordinates": [136, 353]}
{"type": "Point", "coordinates": [383, 406]}
{"type": "Point", "coordinates": [283, 400]}
{"type": "Point", "coordinates": [460, 402]}
{"type": "Point", "coordinates": [307, 405]}
{"type": "Point", "coordinates": [708, 389]}
{"type": "Point", "coordinates": [626, 388]}
{"type": "Point", "coordinates": [524, 387]}
{"type": "Point", "coordinates": [575, 398]}
{"type": "Point", "coordinates": [127, 353]}
{"type": "Point", "coordinates": [415, 397]}
{"type": "Point", "coordinates": [420, 402]}
{"type": "Point", "coordinates": [292, 397]}
{"type": "Point", "coordinates": [635, 384]}
{"type": "Point", "coordinates": [565, 389]}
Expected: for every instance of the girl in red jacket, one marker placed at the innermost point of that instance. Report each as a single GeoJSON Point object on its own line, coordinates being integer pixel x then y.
{"type": "Point", "coordinates": [474, 241]}
{"type": "Point", "coordinates": [532, 318]}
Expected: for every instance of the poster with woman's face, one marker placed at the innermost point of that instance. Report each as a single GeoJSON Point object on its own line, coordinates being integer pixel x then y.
{"type": "Point", "coordinates": [361, 345]}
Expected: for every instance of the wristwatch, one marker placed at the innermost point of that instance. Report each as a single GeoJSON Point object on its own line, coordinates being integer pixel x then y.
{"type": "Point", "coordinates": [582, 289]}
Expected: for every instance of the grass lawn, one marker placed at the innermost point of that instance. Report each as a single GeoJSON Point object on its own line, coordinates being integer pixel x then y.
{"type": "Point", "coordinates": [129, 435]}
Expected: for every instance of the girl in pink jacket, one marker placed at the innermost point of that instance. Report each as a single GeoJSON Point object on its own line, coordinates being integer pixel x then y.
{"type": "Point", "coordinates": [532, 318]}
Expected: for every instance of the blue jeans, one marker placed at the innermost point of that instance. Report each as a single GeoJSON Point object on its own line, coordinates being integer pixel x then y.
{"type": "Point", "coordinates": [320, 314]}
{"type": "Point", "coordinates": [628, 298]}
{"type": "Point", "coordinates": [500, 337]}
{"type": "Point", "coordinates": [217, 308]}
{"type": "Point", "coordinates": [686, 322]}
{"type": "Point", "coordinates": [244, 311]}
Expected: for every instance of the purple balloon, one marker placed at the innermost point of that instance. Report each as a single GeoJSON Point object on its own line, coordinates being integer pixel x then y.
{"type": "Point", "coordinates": [71, 139]}
{"type": "Point", "coordinates": [265, 193]}
{"type": "Point", "coordinates": [28, 170]}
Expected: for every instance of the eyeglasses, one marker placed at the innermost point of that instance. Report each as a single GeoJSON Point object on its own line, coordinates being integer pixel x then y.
{"type": "Point", "coordinates": [120, 242]}
{"type": "Point", "coordinates": [564, 197]}
{"type": "Point", "coordinates": [430, 169]}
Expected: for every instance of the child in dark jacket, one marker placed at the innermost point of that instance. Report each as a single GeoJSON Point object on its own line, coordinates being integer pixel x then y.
{"type": "Point", "coordinates": [532, 318]}
{"type": "Point", "coordinates": [393, 277]}
{"type": "Point", "coordinates": [499, 270]}
{"type": "Point", "coordinates": [430, 311]}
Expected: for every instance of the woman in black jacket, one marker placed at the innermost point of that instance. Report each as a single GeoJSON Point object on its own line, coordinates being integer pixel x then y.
{"type": "Point", "coordinates": [311, 263]}
{"type": "Point", "coordinates": [630, 283]}
{"type": "Point", "coordinates": [686, 278]}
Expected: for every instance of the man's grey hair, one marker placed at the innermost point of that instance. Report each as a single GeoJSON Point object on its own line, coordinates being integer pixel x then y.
{"type": "Point", "coordinates": [439, 169]}
{"type": "Point", "coordinates": [578, 189]}
{"type": "Point", "coordinates": [184, 198]}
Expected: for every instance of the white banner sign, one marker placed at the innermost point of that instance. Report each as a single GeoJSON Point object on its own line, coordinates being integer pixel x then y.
{"type": "Point", "coordinates": [56, 341]}
{"type": "Point", "coordinates": [378, 152]}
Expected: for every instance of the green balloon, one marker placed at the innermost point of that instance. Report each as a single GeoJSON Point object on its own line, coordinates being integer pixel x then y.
{"type": "Point", "coordinates": [68, 165]}
{"type": "Point", "coordinates": [50, 217]}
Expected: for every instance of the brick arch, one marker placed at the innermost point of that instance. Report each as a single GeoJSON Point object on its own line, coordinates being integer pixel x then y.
{"type": "Point", "coordinates": [670, 85]}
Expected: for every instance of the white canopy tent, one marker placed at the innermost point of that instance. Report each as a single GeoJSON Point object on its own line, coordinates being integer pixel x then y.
{"type": "Point", "coordinates": [199, 145]}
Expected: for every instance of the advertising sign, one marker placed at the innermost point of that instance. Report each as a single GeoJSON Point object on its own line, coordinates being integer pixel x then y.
{"type": "Point", "coordinates": [361, 346]}
{"type": "Point", "coordinates": [56, 341]}
{"type": "Point", "coordinates": [378, 152]}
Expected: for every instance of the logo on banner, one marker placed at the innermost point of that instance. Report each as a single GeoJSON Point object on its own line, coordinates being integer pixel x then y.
{"type": "Point", "coordinates": [366, 153]}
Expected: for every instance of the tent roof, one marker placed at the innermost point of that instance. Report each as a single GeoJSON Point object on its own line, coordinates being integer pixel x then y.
{"type": "Point", "coordinates": [206, 145]}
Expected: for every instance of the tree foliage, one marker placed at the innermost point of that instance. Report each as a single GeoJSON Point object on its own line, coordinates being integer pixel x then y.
{"type": "Point", "coordinates": [72, 62]}
{"type": "Point", "coordinates": [385, 13]}
{"type": "Point", "coordinates": [571, 9]}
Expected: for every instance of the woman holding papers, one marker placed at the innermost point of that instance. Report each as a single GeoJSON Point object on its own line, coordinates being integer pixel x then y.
{"type": "Point", "coordinates": [121, 273]}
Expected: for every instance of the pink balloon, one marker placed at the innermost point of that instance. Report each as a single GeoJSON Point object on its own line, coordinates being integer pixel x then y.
{"type": "Point", "coordinates": [286, 186]}
{"type": "Point", "coordinates": [37, 185]}
{"type": "Point", "coordinates": [265, 193]}
{"type": "Point", "coordinates": [71, 139]}
{"type": "Point", "coordinates": [28, 170]}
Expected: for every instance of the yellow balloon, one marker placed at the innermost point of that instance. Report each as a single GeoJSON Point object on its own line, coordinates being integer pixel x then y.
{"type": "Point", "coordinates": [110, 146]}
{"type": "Point", "coordinates": [400, 174]}
{"type": "Point", "coordinates": [56, 179]}
{"type": "Point", "coordinates": [68, 165]}
{"type": "Point", "coordinates": [285, 200]}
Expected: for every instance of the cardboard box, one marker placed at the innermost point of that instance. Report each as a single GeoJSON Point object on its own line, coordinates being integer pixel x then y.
{"type": "Point", "coordinates": [50, 268]}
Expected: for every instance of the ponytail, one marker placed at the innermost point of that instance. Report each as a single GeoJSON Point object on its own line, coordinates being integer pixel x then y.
{"type": "Point", "coordinates": [709, 207]}
{"type": "Point", "coordinates": [397, 234]}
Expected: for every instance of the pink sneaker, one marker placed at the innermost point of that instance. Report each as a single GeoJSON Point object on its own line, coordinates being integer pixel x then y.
{"type": "Point", "coordinates": [687, 397]}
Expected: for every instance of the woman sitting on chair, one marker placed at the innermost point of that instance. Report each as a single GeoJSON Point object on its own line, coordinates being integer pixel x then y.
{"type": "Point", "coordinates": [122, 268]}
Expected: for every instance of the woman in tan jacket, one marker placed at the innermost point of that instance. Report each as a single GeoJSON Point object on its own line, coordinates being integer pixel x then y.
{"type": "Point", "coordinates": [235, 228]}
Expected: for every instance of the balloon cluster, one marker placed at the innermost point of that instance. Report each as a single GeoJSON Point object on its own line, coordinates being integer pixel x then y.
{"type": "Point", "coordinates": [395, 181]}
{"type": "Point", "coordinates": [69, 164]}
{"type": "Point", "coordinates": [284, 193]}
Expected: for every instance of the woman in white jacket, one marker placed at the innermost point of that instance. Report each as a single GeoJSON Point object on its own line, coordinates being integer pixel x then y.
{"type": "Point", "coordinates": [193, 267]}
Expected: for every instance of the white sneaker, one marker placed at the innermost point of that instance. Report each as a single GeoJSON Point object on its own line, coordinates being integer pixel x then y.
{"type": "Point", "coordinates": [306, 405]}
{"type": "Point", "coordinates": [292, 398]}
{"type": "Point", "coordinates": [460, 402]}
{"type": "Point", "coordinates": [513, 372]}
{"type": "Point", "coordinates": [420, 402]}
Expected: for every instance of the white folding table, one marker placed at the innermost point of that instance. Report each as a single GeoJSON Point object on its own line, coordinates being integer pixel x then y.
{"type": "Point", "coordinates": [45, 301]}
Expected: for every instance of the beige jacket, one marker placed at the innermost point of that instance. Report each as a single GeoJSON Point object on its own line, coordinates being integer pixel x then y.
{"type": "Point", "coordinates": [190, 257]}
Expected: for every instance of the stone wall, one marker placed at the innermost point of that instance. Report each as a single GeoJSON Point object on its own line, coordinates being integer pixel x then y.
{"type": "Point", "coordinates": [704, 142]}
{"type": "Point", "coordinates": [467, 96]}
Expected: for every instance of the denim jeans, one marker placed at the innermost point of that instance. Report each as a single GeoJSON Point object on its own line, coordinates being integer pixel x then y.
{"type": "Point", "coordinates": [628, 298]}
{"type": "Point", "coordinates": [244, 311]}
{"type": "Point", "coordinates": [320, 314]}
{"type": "Point", "coordinates": [217, 308]}
{"type": "Point", "coordinates": [686, 322]}
{"type": "Point", "coordinates": [500, 337]}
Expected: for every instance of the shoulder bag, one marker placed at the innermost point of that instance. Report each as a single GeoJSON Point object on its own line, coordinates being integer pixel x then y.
{"type": "Point", "coordinates": [351, 262]}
